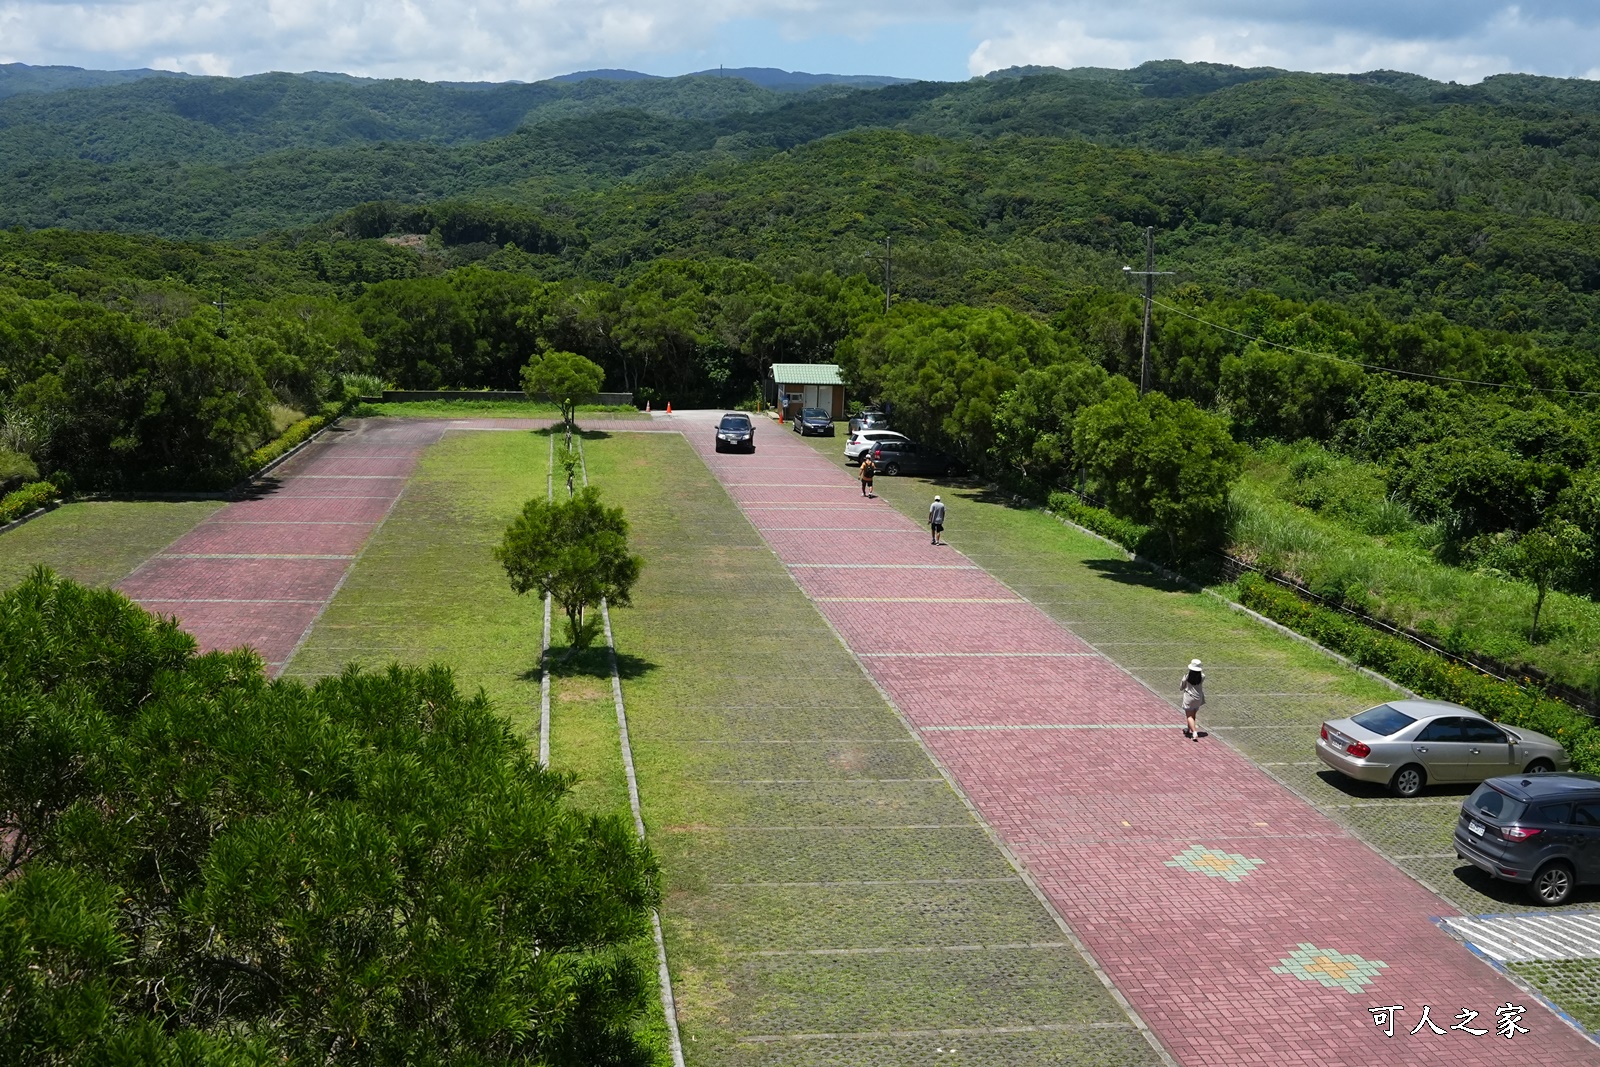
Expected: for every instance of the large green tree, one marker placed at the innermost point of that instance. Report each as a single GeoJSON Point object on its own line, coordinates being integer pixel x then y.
{"type": "Point", "coordinates": [1162, 462]}
{"type": "Point", "coordinates": [205, 867]}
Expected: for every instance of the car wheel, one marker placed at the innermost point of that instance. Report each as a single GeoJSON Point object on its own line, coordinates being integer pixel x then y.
{"type": "Point", "coordinates": [1553, 884]}
{"type": "Point", "coordinates": [1539, 766]}
{"type": "Point", "coordinates": [719, 446]}
{"type": "Point", "coordinates": [892, 469]}
{"type": "Point", "coordinates": [1408, 781]}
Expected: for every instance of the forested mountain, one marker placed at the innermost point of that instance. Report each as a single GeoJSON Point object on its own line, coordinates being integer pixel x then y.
{"type": "Point", "coordinates": [23, 78]}
{"type": "Point", "coordinates": [684, 233]}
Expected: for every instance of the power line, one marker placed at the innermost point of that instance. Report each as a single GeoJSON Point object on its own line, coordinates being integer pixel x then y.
{"type": "Point", "coordinates": [1367, 366]}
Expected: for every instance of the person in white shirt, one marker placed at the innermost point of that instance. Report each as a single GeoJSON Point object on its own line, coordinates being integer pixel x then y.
{"type": "Point", "coordinates": [1194, 695]}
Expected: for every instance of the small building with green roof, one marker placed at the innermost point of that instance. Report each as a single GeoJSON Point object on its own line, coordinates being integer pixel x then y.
{"type": "Point", "coordinates": [808, 385]}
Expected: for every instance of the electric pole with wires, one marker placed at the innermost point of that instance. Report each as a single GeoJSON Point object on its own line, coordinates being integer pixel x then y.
{"type": "Point", "coordinates": [1149, 275]}
{"type": "Point", "coordinates": [888, 273]}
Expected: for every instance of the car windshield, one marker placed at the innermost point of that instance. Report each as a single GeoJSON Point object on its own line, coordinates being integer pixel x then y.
{"type": "Point", "coordinates": [735, 422]}
{"type": "Point", "coordinates": [814, 413]}
{"type": "Point", "coordinates": [1383, 720]}
{"type": "Point", "coordinates": [1488, 801]}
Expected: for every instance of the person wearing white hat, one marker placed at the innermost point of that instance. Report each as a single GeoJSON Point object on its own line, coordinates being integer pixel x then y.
{"type": "Point", "coordinates": [936, 520]}
{"type": "Point", "coordinates": [1194, 695]}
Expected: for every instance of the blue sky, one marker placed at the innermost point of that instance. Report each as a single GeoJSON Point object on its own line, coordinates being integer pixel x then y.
{"type": "Point", "coordinates": [1462, 40]}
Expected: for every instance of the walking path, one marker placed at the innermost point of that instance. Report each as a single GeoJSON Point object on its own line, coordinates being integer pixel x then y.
{"type": "Point", "coordinates": [1244, 926]}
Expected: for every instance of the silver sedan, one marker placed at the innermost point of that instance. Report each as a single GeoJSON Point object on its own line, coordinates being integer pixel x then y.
{"type": "Point", "coordinates": [1405, 744]}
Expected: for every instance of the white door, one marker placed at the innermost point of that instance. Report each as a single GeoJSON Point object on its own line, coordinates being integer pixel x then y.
{"type": "Point", "coordinates": [820, 396]}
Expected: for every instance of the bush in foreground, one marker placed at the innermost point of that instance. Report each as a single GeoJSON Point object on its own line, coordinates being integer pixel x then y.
{"type": "Point", "coordinates": [202, 866]}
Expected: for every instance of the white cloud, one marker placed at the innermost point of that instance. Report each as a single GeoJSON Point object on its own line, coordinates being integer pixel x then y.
{"type": "Point", "coordinates": [1470, 43]}
{"type": "Point", "coordinates": [528, 39]}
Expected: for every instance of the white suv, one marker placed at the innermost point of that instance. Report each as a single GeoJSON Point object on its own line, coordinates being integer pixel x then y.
{"type": "Point", "coordinates": [862, 440]}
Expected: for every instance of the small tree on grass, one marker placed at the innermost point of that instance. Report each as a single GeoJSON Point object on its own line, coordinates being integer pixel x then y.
{"type": "Point", "coordinates": [564, 377]}
{"type": "Point", "coordinates": [576, 552]}
{"type": "Point", "coordinates": [1545, 557]}
{"type": "Point", "coordinates": [204, 867]}
{"type": "Point", "coordinates": [1161, 462]}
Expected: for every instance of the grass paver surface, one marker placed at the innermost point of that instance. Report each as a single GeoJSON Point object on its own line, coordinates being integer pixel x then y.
{"type": "Point", "coordinates": [98, 542]}
{"type": "Point", "coordinates": [1267, 693]}
{"type": "Point", "coordinates": [426, 589]}
{"type": "Point", "coordinates": [747, 718]}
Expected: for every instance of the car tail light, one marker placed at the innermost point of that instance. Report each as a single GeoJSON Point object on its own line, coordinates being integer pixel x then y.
{"type": "Point", "coordinates": [1359, 749]}
{"type": "Point", "coordinates": [1519, 833]}
{"type": "Point", "coordinates": [1324, 731]}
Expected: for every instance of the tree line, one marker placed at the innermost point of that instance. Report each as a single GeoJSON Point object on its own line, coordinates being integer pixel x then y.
{"type": "Point", "coordinates": [115, 370]}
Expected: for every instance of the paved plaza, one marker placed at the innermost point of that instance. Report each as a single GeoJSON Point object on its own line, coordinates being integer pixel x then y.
{"type": "Point", "coordinates": [1236, 921]}
{"type": "Point", "coordinates": [1244, 925]}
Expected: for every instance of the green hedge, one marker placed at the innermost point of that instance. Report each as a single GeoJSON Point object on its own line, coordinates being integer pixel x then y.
{"type": "Point", "coordinates": [1127, 534]}
{"type": "Point", "coordinates": [293, 436]}
{"type": "Point", "coordinates": [29, 498]}
{"type": "Point", "coordinates": [1426, 673]}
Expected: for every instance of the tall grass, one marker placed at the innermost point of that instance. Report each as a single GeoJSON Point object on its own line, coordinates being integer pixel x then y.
{"type": "Point", "coordinates": [1394, 577]}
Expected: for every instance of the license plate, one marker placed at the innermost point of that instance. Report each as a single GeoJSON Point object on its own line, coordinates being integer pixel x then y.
{"type": "Point", "coordinates": [1476, 827]}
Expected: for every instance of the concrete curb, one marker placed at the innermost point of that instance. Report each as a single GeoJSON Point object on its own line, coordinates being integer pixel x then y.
{"type": "Point", "coordinates": [30, 516]}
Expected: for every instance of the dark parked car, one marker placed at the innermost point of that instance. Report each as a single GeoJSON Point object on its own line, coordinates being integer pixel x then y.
{"type": "Point", "coordinates": [813, 421]}
{"type": "Point", "coordinates": [870, 419]}
{"type": "Point", "coordinates": [892, 456]}
{"type": "Point", "coordinates": [1538, 830]}
{"type": "Point", "coordinates": [736, 431]}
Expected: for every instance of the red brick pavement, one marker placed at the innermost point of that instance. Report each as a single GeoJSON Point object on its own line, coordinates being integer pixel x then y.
{"type": "Point", "coordinates": [1099, 813]}
{"type": "Point", "coordinates": [259, 572]}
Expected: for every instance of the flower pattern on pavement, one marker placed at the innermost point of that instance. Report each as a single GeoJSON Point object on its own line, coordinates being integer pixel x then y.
{"type": "Point", "coordinates": [1332, 969]}
{"type": "Point", "coordinates": [1214, 863]}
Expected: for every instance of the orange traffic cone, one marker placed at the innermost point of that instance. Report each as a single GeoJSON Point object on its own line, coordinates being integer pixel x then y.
{"type": "Point", "coordinates": [669, 407]}
{"type": "Point", "coordinates": [647, 407]}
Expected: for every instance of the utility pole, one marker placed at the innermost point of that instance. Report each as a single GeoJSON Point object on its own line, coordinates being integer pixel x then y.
{"type": "Point", "coordinates": [1149, 275]}
{"type": "Point", "coordinates": [888, 268]}
{"type": "Point", "coordinates": [221, 304]}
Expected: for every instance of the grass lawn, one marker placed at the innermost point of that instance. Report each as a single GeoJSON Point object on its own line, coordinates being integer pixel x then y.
{"type": "Point", "coordinates": [790, 808]}
{"type": "Point", "coordinates": [492, 409]}
{"type": "Point", "coordinates": [100, 542]}
{"type": "Point", "coordinates": [1268, 692]}
{"type": "Point", "coordinates": [1465, 611]}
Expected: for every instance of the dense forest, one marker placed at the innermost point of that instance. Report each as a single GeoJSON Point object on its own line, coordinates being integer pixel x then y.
{"type": "Point", "coordinates": [1401, 272]}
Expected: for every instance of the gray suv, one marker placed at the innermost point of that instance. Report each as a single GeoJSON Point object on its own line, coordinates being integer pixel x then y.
{"type": "Point", "coordinates": [899, 456]}
{"type": "Point", "coordinates": [1538, 830]}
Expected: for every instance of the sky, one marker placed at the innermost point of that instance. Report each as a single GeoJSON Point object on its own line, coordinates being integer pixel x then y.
{"type": "Point", "coordinates": [526, 40]}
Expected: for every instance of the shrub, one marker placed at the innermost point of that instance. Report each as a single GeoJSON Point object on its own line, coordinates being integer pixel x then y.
{"type": "Point", "coordinates": [359, 385]}
{"type": "Point", "coordinates": [29, 498]}
{"type": "Point", "coordinates": [1426, 673]}
{"type": "Point", "coordinates": [373, 870]}
{"type": "Point", "coordinates": [1129, 535]}
{"type": "Point", "coordinates": [291, 438]}
{"type": "Point", "coordinates": [1164, 463]}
